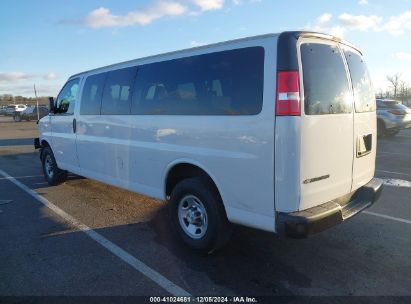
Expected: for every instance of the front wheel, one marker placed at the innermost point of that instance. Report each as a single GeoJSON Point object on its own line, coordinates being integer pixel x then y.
{"type": "Point", "coordinates": [52, 173]}
{"type": "Point", "coordinates": [198, 215]}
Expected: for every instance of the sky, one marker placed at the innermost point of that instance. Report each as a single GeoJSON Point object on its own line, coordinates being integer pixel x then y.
{"type": "Point", "coordinates": [45, 41]}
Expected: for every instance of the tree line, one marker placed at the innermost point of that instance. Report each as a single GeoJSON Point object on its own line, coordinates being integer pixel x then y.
{"type": "Point", "coordinates": [399, 89]}
{"type": "Point", "coordinates": [7, 99]}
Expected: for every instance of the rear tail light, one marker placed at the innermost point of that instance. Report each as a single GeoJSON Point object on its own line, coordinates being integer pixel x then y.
{"type": "Point", "coordinates": [288, 94]}
{"type": "Point", "coordinates": [397, 112]}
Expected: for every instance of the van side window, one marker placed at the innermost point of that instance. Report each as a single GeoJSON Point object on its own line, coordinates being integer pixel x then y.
{"type": "Point", "coordinates": [66, 101]}
{"type": "Point", "coordinates": [326, 89]}
{"type": "Point", "coordinates": [221, 83]}
{"type": "Point", "coordinates": [363, 91]}
{"type": "Point", "coordinates": [92, 94]}
{"type": "Point", "coordinates": [118, 91]}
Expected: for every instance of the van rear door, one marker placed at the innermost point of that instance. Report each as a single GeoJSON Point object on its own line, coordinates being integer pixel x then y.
{"type": "Point", "coordinates": [327, 122]}
{"type": "Point", "coordinates": [364, 119]}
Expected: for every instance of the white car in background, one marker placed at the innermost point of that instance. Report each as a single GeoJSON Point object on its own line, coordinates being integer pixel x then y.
{"type": "Point", "coordinates": [11, 109]}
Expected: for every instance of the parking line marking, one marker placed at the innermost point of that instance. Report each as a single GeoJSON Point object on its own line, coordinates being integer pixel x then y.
{"type": "Point", "coordinates": [398, 219]}
{"type": "Point", "coordinates": [27, 176]}
{"type": "Point", "coordinates": [392, 172]}
{"type": "Point", "coordinates": [393, 182]}
{"type": "Point", "coordinates": [110, 246]}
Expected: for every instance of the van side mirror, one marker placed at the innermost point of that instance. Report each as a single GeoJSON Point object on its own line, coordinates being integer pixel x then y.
{"type": "Point", "coordinates": [52, 107]}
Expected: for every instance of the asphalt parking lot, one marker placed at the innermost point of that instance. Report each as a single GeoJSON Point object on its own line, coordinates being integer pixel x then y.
{"type": "Point", "coordinates": [134, 253]}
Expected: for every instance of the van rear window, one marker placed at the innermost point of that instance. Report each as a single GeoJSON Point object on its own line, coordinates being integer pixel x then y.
{"type": "Point", "coordinates": [221, 83]}
{"type": "Point", "coordinates": [363, 91]}
{"type": "Point", "coordinates": [326, 89]}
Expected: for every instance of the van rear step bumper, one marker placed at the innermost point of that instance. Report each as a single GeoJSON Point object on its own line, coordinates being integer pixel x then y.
{"type": "Point", "coordinates": [301, 224]}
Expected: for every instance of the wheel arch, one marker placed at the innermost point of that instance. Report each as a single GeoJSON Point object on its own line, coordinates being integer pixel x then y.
{"type": "Point", "coordinates": [380, 120]}
{"type": "Point", "coordinates": [184, 168]}
{"type": "Point", "coordinates": [45, 143]}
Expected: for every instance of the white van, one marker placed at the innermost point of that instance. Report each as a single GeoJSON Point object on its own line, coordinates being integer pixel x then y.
{"type": "Point", "coordinates": [275, 132]}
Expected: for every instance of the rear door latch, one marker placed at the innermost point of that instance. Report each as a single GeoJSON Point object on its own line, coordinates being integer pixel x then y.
{"type": "Point", "coordinates": [364, 144]}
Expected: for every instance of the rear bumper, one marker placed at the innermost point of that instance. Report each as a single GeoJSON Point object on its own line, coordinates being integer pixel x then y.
{"type": "Point", "coordinates": [301, 224]}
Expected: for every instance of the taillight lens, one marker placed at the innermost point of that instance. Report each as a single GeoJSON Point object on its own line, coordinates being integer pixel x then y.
{"type": "Point", "coordinates": [288, 94]}
{"type": "Point", "coordinates": [397, 112]}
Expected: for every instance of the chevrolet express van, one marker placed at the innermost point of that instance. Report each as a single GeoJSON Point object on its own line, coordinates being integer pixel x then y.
{"type": "Point", "coordinates": [275, 132]}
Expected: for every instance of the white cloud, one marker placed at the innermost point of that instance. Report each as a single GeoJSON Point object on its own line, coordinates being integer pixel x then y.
{"type": "Point", "coordinates": [324, 18]}
{"type": "Point", "coordinates": [14, 77]}
{"type": "Point", "coordinates": [238, 2]}
{"type": "Point", "coordinates": [403, 56]}
{"type": "Point", "coordinates": [398, 25]}
{"type": "Point", "coordinates": [363, 2]}
{"type": "Point", "coordinates": [360, 22]}
{"type": "Point", "coordinates": [28, 89]}
{"type": "Point", "coordinates": [322, 25]}
{"type": "Point", "coordinates": [208, 5]}
{"type": "Point", "coordinates": [102, 17]}
{"type": "Point", "coordinates": [50, 76]}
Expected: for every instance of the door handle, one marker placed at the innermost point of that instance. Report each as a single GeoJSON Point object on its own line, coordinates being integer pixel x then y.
{"type": "Point", "coordinates": [74, 125]}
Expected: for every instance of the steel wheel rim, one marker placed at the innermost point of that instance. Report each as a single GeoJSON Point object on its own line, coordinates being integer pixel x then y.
{"type": "Point", "coordinates": [48, 164]}
{"type": "Point", "coordinates": [192, 216]}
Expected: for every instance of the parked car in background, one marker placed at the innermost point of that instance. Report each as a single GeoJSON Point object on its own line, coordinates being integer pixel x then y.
{"type": "Point", "coordinates": [392, 116]}
{"type": "Point", "coordinates": [30, 113]}
{"type": "Point", "coordinates": [12, 109]}
{"type": "Point", "coordinates": [3, 110]}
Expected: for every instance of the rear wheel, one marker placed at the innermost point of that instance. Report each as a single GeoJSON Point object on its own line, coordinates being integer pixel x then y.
{"type": "Point", "coordinates": [391, 133]}
{"type": "Point", "coordinates": [17, 117]}
{"type": "Point", "coordinates": [198, 215]}
{"type": "Point", "coordinates": [52, 173]}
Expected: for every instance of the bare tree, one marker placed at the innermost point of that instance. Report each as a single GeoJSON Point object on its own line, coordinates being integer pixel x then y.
{"type": "Point", "coordinates": [395, 82]}
{"type": "Point", "coordinates": [404, 90]}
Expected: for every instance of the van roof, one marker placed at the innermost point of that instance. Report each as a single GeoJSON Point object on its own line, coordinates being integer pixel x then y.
{"type": "Point", "coordinates": [296, 34]}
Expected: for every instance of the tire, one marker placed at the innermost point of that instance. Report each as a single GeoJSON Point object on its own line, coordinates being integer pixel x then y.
{"type": "Point", "coordinates": [17, 117]}
{"type": "Point", "coordinates": [52, 173]}
{"type": "Point", "coordinates": [196, 200]}
{"type": "Point", "coordinates": [391, 133]}
{"type": "Point", "coordinates": [380, 128]}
